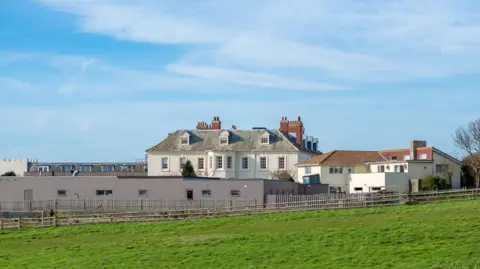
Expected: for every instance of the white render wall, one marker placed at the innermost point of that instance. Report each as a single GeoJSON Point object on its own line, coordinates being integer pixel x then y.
{"type": "Point", "coordinates": [253, 171]}
{"type": "Point", "coordinates": [389, 181]}
{"type": "Point", "coordinates": [19, 166]}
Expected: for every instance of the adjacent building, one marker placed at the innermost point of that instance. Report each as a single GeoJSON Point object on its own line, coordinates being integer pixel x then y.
{"type": "Point", "coordinates": [366, 171]}
{"type": "Point", "coordinates": [232, 153]}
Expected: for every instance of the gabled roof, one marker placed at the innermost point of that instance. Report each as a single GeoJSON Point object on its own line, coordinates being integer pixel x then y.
{"type": "Point", "coordinates": [344, 157]}
{"type": "Point", "coordinates": [240, 140]}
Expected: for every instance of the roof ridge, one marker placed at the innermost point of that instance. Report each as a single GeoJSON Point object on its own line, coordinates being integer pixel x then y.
{"type": "Point", "coordinates": [329, 155]}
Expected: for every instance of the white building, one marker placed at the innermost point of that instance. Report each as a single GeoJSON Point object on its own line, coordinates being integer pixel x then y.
{"type": "Point", "coordinates": [365, 171]}
{"type": "Point", "coordinates": [240, 154]}
{"type": "Point", "coordinates": [18, 166]}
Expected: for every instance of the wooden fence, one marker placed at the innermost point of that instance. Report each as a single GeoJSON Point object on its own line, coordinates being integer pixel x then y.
{"type": "Point", "coordinates": [124, 211]}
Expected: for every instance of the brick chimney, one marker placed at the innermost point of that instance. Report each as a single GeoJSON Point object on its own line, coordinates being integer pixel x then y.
{"type": "Point", "coordinates": [414, 145]}
{"type": "Point", "coordinates": [216, 123]}
{"type": "Point", "coordinates": [293, 126]}
{"type": "Point", "coordinates": [234, 127]}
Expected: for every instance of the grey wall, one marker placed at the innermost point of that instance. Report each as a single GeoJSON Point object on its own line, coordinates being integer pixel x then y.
{"type": "Point", "coordinates": [45, 188]}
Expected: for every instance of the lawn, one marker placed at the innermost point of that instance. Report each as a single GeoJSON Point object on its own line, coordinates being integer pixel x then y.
{"type": "Point", "coordinates": [422, 236]}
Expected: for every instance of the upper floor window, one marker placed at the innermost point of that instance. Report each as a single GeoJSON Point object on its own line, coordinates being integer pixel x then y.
{"type": "Point", "coordinates": [399, 168]}
{"type": "Point", "coordinates": [336, 170]}
{"type": "Point", "coordinates": [201, 163]}
{"type": "Point", "coordinates": [406, 157]}
{"type": "Point", "coordinates": [223, 140]}
{"type": "Point", "coordinates": [394, 158]}
{"type": "Point", "coordinates": [263, 163]}
{"type": "Point", "coordinates": [381, 169]}
{"type": "Point", "coordinates": [164, 163]}
{"type": "Point", "coordinates": [184, 140]}
{"type": "Point", "coordinates": [441, 168]}
{"type": "Point", "coordinates": [245, 163]}
{"type": "Point", "coordinates": [423, 156]}
{"type": "Point", "coordinates": [308, 170]}
{"type": "Point", "coordinates": [264, 140]}
{"type": "Point", "coordinates": [183, 161]}
{"type": "Point", "coordinates": [229, 162]}
{"type": "Point", "coordinates": [281, 162]}
{"type": "Point", "coordinates": [219, 162]}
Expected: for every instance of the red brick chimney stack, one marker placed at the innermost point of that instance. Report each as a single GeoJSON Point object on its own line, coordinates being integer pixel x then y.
{"type": "Point", "coordinates": [234, 127]}
{"type": "Point", "coordinates": [293, 126]}
{"type": "Point", "coordinates": [216, 123]}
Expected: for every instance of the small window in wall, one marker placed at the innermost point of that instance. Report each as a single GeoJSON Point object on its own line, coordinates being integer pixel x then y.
{"type": "Point", "coordinates": [281, 162]}
{"type": "Point", "coordinates": [219, 162]}
{"type": "Point", "coordinates": [229, 162]}
{"type": "Point", "coordinates": [189, 194]}
{"type": "Point", "coordinates": [142, 193]}
{"type": "Point", "coordinates": [244, 163]}
{"type": "Point", "coordinates": [263, 163]}
{"type": "Point", "coordinates": [376, 188]}
{"type": "Point", "coordinates": [61, 192]}
{"type": "Point", "coordinates": [206, 193]}
{"type": "Point", "coordinates": [423, 156]}
{"type": "Point", "coordinates": [308, 170]}
{"type": "Point", "coordinates": [264, 140]}
{"type": "Point", "coordinates": [394, 158]}
{"type": "Point", "coordinates": [164, 163]}
{"type": "Point", "coordinates": [201, 163]}
{"type": "Point", "coordinates": [223, 140]}
{"type": "Point", "coordinates": [184, 140]}
{"type": "Point", "coordinates": [358, 189]}
{"type": "Point", "coordinates": [104, 192]}
{"type": "Point", "coordinates": [336, 170]}
{"type": "Point", "coordinates": [235, 193]}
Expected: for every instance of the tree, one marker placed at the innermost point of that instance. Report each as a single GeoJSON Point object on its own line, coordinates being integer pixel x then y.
{"type": "Point", "coordinates": [467, 138]}
{"type": "Point", "coordinates": [467, 178]}
{"type": "Point", "coordinates": [9, 174]}
{"type": "Point", "coordinates": [285, 175]}
{"type": "Point", "coordinates": [188, 170]}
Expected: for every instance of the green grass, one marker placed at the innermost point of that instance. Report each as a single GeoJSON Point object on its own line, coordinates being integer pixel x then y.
{"type": "Point", "coordinates": [422, 236]}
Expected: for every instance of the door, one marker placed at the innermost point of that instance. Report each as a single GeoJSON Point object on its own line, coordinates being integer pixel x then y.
{"type": "Point", "coordinates": [28, 195]}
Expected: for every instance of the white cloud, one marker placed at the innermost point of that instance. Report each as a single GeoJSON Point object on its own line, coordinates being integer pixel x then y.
{"type": "Point", "coordinates": [11, 84]}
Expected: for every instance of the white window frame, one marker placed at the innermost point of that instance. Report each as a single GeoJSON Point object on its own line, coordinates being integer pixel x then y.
{"type": "Point", "coordinates": [180, 162]}
{"type": "Point", "coordinates": [202, 162]}
{"type": "Point", "coordinates": [167, 163]}
{"type": "Point", "coordinates": [284, 163]}
{"type": "Point", "coordinates": [423, 156]}
{"type": "Point", "coordinates": [266, 138]}
{"type": "Point", "coordinates": [335, 170]}
{"type": "Point", "coordinates": [223, 140]}
{"type": "Point", "coordinates": [184, 140]}
{"type": "Point", "coordinates": [210, 162]}
{"type": "Point", "coordinates": [241, 163]}
{"type": "Point", "coordinates": [309, 170]}
{"type": "Point", "coordinates": [219, 162]}
{"type": "Point", "coordinates": [229, 162]}
{"type": "Point", "coordinates": [406, 157]}
{"type": "Point", "coordinates": [379, 170]}
{"type": "Point", "coordinates": [266, 163]}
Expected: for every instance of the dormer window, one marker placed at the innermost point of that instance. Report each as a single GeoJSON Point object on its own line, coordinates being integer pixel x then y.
{"type": "Point", "coordinates": [264, 140]}
{"type": "Point", "coordinates": [223, 140]}
{"type": "Point", "coordinates": [184, 140]}
{"type": "Point", "coordinates": [265, 137]}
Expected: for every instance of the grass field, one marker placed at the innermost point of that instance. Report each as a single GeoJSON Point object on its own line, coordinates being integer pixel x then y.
{"type": "Point", "coordinates": [423, 236]}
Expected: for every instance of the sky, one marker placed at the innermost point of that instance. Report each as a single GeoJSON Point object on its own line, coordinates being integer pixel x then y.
{"type": "Point", "coordinates": [103, 80]}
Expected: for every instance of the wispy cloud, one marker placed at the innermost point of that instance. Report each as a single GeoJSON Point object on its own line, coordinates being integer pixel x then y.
{"type": "Point", "coordinates": [11, 84]}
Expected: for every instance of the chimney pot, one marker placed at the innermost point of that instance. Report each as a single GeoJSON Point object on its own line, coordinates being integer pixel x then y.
{"type": "Point", "coordinates": [299, 119]}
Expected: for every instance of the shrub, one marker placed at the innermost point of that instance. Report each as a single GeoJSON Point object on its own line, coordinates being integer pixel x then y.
{"type": "Point", "coordinates": [188, 170]}
{"type": "Point", "coordinates": [431, 183]}
{"type": "Point", "coordinates": [9, 174]}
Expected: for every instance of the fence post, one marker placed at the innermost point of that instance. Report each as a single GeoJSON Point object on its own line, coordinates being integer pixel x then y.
{"type": "Point", "coordinates": [141, 204]}
{"type": "Point", "coordinates": [19, 223]}
{"type": "Point", "coordinates": [1, 224]}
{"type": "Point", "coordinates": [42, 218]}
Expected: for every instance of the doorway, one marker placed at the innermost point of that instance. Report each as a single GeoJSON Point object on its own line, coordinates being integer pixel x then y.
{"type": "Point", "coordinates": [189, 194]}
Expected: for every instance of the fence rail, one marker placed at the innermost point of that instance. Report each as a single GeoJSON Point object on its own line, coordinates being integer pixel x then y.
{"type": "Point", "coordinates": [78, 212]}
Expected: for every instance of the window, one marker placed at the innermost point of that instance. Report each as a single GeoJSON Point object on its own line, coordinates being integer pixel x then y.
{"type": "Point", "coordinates": [183, 160]}
{"type": "Point", "coordinates": [189, 194]}
{"type": "Point", "coordinates": [349, 170]}
{"type": "Point", "coordinates": [127, 168]}
{"type": "Point", "coordinates": [281, 163]}
{"type": "Point", "coordinates": [219, 162]}
{"type": "Point", "coordinates": [229, 162]}
{"type": "Point", "coordinates": [164, 163]}
{"type": "Point", "coordinates": [358, 189]}
{"type": "Point", "coordinates": [376, 188]}
{"type": "Point", "coordinates": [108, 168]}
{"type": "Point", "coordinates": [244, 163]}
{"type": "Point", "coordinates": [263, 163]}
{"type": "Point", "coordinates": [184, 140]}
{"type": "Point", "coordinates": [43, 168]}
{"type": "Point", "coordinates": [406, 157]}
{"type": "Point", "coordinates": [264, 140]}
{"type": "Point", "coordinates": [67, 168]}
{"type": "Point", "coordinates": [441, 168]}
{"type": "Point", "coordinates": [201, 163]}
{"type": "Point", "coordinates": [142, 193]}
{"type": "Point", "coordinates": [206, 193]}
{"type": "Point", "coordinates": [399, 169]}
{"type": "Point", "coordinates": [104, 192]}
{"type": "Point", "coordinates": [336, 170]}
{"type": "Point", "coordinates": [210, 162]}
{"type": "Point", "coordinates": [235, 193]}
{"type": "Point", "coordinates": [381, 169]}
{"type": "Point", "coordinates": [308, 170]}
{"type": "Point", "coordinates": [223, 140]}
{"type": "Point", "coordinates": [394, 158]}
{"type": "Point", "coordinates": [423, 156]}
{"type": "Point", "coordinates": [61, 193]}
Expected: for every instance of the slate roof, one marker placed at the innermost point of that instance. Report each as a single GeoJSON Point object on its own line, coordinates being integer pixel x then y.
{"type": "Point", "coordinates": [240, 140]}
{"type": "Point", "coordinates": [344, 157]}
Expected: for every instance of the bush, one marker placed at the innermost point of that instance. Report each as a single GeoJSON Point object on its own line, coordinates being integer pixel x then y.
{"type": "Point", "coordinates": [188, 170]}
{"type": "Point", "coordinates": [9, 174]}
{"type": "Point", "coordinates": [432, 183]}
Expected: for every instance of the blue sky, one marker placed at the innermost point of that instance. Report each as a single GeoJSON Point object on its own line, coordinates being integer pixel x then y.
{"type": "Point", "coordinates": [97, 80]}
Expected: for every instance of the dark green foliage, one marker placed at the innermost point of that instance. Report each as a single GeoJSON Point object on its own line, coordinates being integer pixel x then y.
{"type": "Point", "coordinates": [467, 180]}
{"type": "Point", "coordinates": [432, 183]}
{"type": "Point", "coordinates": [188, 170]}
{"type": "Point", "coordinates": [9, 174]}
